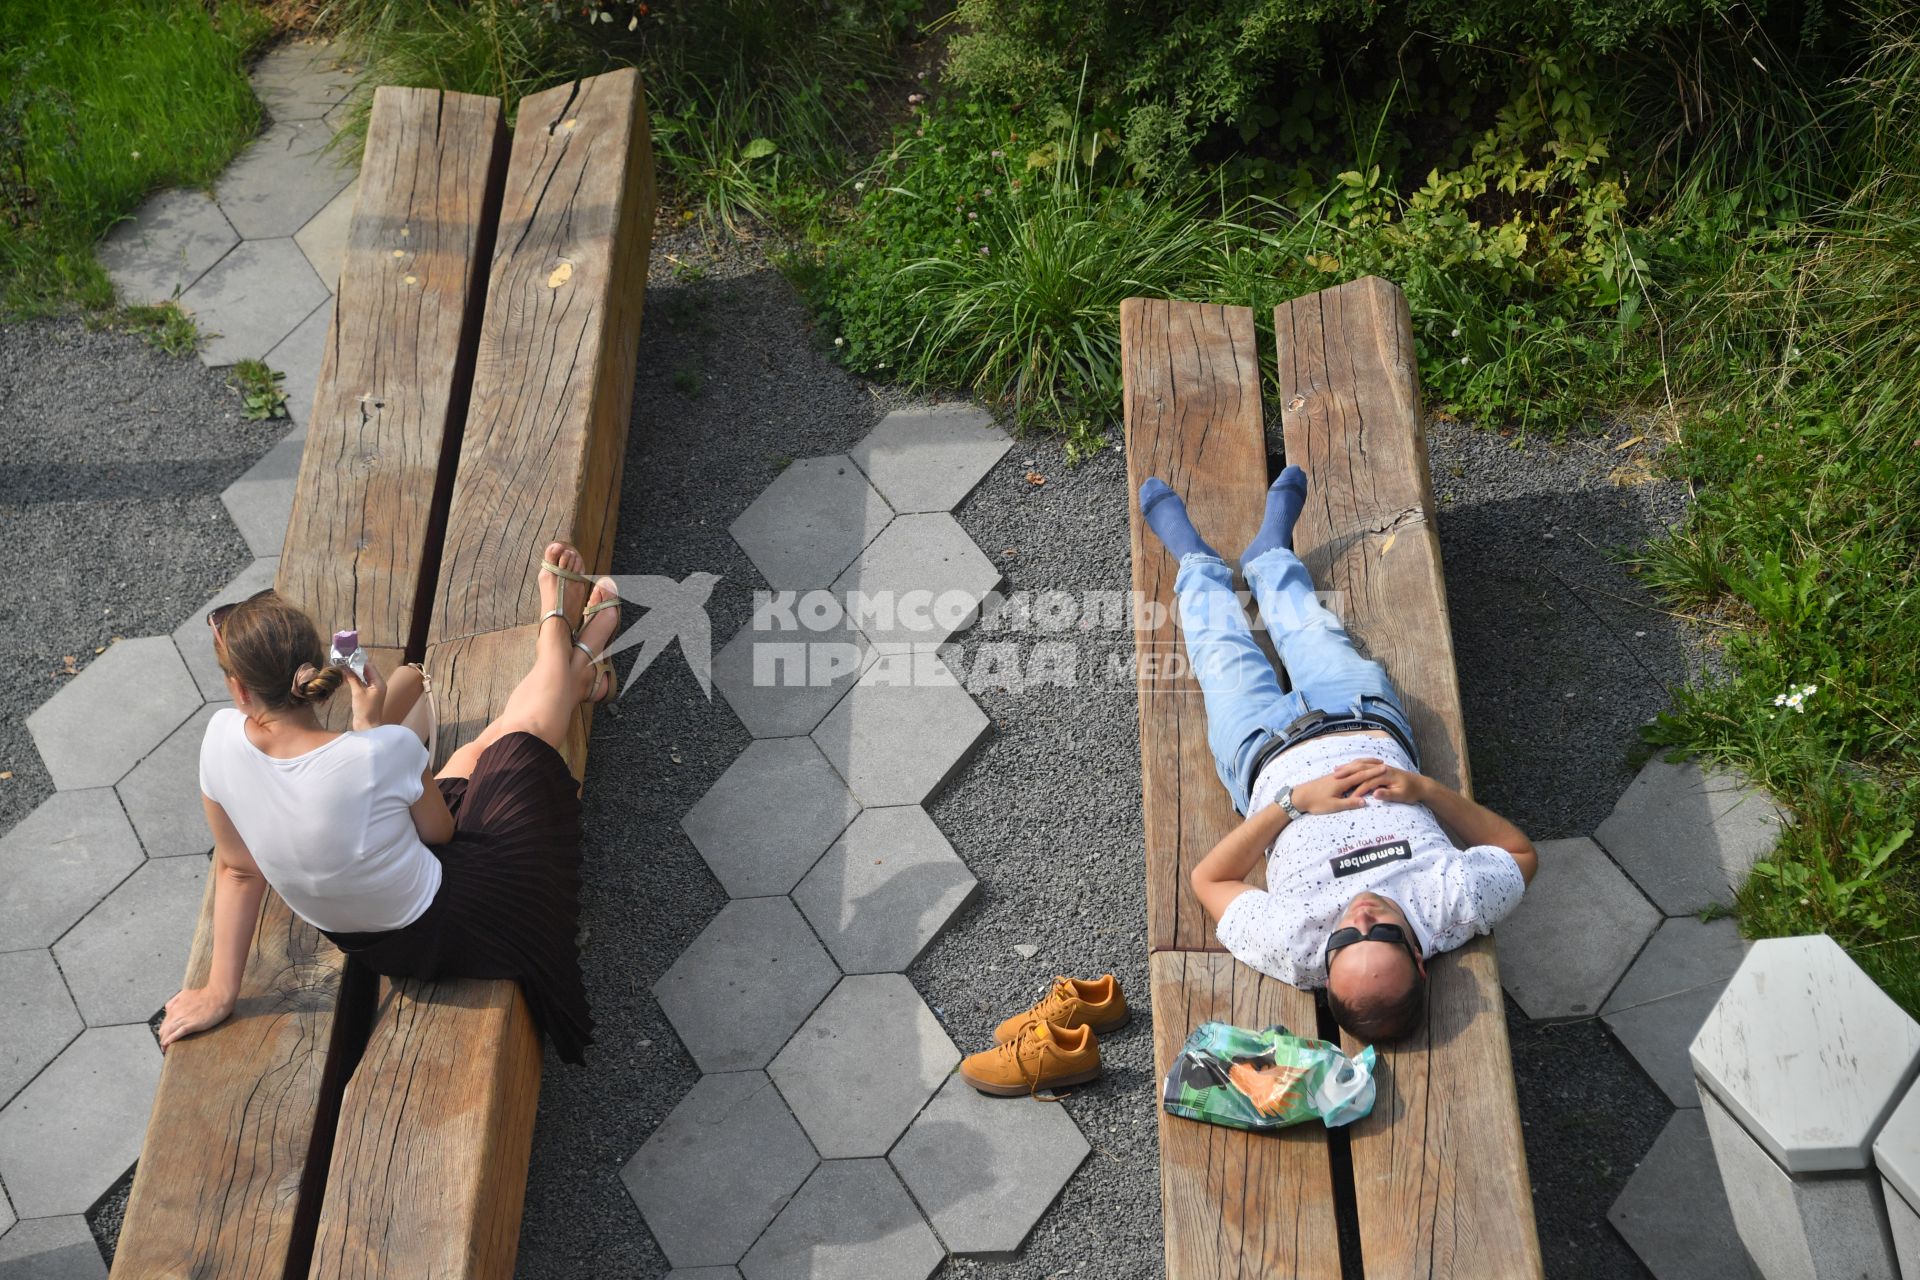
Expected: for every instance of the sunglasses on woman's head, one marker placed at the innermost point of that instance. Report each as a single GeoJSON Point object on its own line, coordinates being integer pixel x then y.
{"type": "Point", "coordinates": [1382, 932]}
{"type": "Point", "coordinates": [219, 613]}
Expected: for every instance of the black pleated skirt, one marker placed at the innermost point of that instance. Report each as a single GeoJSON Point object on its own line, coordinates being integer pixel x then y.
{"type": "Point", "coordinates": [509, 898]}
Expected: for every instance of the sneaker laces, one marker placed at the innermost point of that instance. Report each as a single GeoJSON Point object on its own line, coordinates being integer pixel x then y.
{"type": "Point", "coordinates": [1042, 1040]}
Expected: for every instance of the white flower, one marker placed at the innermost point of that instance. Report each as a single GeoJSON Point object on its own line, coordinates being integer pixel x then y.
{"type": "Point", "coordinates": [986, 191]}
{"type": "Point", "coordinates": [983, 251]}
{"type": "Point", "coordinates": [1456, 331]}
{"type": "Point", "coordinates": [999, 155]}
{"type": "Point", "coordinates": [136, 155]}
{"type": "Point", "coordinates": [1463, 360]}
{"type": "Point", "coordinates": [1779, 699]}
{"type": "Point", "coordinates": [915, 99]}
{"type": "Point", "coordinates": [859, 186]}
{"type": "Point", "coordinates": [1809, 689]}
{"type": "Point", "coordinates": [972, 216]}
{"type": "Point", "coordinates": [839, 342]}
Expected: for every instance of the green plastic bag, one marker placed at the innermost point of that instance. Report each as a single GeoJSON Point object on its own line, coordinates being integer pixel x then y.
{"type": "Point", "coordinates": [1267, 1079]}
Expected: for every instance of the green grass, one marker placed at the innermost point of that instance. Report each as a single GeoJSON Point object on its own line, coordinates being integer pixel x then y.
{"type": "Point", "coordinates": [103, 104]}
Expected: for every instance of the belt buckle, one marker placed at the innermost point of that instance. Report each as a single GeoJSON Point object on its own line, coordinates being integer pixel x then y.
{"type": "Point", "coordinates": [1303, 722]}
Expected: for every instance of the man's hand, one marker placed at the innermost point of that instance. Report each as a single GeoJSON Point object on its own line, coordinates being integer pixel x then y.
{"type": "Point", "coordinates": [1383, 780]}
{"type": "Point", "coordinates": [194, 1009]}
{"type": "Point", "coordinates": [369, 699]}
{"type": "Point", "coordinates": [1349, 786]}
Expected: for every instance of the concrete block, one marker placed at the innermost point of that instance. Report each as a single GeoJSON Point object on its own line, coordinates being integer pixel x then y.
{"type": "Point", "coordinates": [1830, 1227]}
{"type": "Point", "coordinates": [719, 1168]}
{"type": "Point", "coordinates": [279, 182]}
{"type": "Point", "coordinates": [704, 1273]}
{"type": "Point", "coordinates": [1577, 888]}
{"type": "Point", "coordinates": [745, 985]}
{"type": "Point", "coordinates": [69, 1135]}
{"type": "Point", "coordinates": [929, 459]}
{"type": "Point", "coordinates": [1896, 1155]}
{"type": "Point", "coordinates": [1673, 1210]}
{"type": "Point", "coordinates": [810, 523]}
{"type": "Point", "coordinates": [985, 1169]}
{"type": "Point", "coordinates": [770, 817]}
{"type": "Point", "coordinates": [902, 730]}
{"type": "Point", "coordinates": [6, 1213]}
{"type": "Point", "coordinates": [194, 639]}
{"type": "Point", "coordinates": [60, 1248]}
{"type": "Point", "coordinates": [298, 356]}
{"type": "Point", "coordinates": [1688, 836]}
{"type": "Point", "coordinates": [252, 299]}
{"type": "Point", "coordinates": [781, 682]}
{"type": "Point", "coordinates": [919, 582]}
{"type": "Point", "coordinates": [170, 242]}
{"type": "Point", "coordinates": [61, 859]}
{"type": "Point", "coordinates": [38, 1015]}
{"type": "Point", "coordinates": [1660, 1005]}
{"type": "Point", "coordinates": [300, 80]}
{"type": "Point", "coordinates": [1904, 1223]}
{"type": "Point", "coordinates": [261, 500]}
{"type": "Point", "coordinates": [324, 238]}
{"type": "Point", "coordinates": [104, 720]}
{"type": "Point", "coordinates": [162, 793]}
{"type": "Point", "coordinates": [861, 1067]}
{"type": "Point", "coordinates": [885, 890]}
{"type": "Point", "coordinates": [1807, 1053]}
{"type": "Point", "coordinates": [128, 956]}
{"type": "Point", "coordinates": [852, 1221]}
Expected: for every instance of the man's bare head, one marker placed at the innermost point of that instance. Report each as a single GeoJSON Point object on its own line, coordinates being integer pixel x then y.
{"type": "Point", "coordinates": [1376, 989]}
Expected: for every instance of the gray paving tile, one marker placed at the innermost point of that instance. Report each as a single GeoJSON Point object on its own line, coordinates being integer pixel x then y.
{"type": "Point", "coordinates": [780, 681]}
{"type": "Point", "coordinates": [928, 459]}
{"type": "Point", "coordinates": [1807, 1052]}
{"type": "Point", "coordinates": [324, 238]}
{"type": "Point", "coordinates": [810, 523]}
{"type": "Point", "coordinates": [61, 859]}
{"type": "Point", "coordinates": [769, 817]}
{"type": "Point", "coordinates": [280, 181]}
{"type": "Point", "coordinates": [1687, 836]}
{"type": "Point", "coordinates": [195, 641]}
{"type": "Point", "coordinates": [1896, 1155]}
{"type": "Point", "coordinates": [747, 982]}
{"type": "Point", "coordinates": [919, 582]}
{"type": "Point", "coordinates": [852, 1221]}
{"type": "Point", "coordinates": [128, 956]}
{"type": "Point", "coordinates": [162, 794]}
{"type": "Point", "coordinates": [985, 1169]}
{"type": "Point", "coordinates": [261, 500]}
{"type": "Point", "coordinates": [902, 731]}
{"type": "Point", "coordinates": [300, 81]}
{"type": "Point", "coordinates": [718, 1169]}
{"type": "Point", "coordinates": [863, 1064]}
{"type": "Point", "coordinates": [298, 356]}
{"type": "Point", "coordinates": [51, 1249]}
{"type": "Point", "coordinates": [69, 1135]}
{"type": "Point", "coordinates": [1548, 978]}
{"type": "Point", "coordinates": [885, 890]}
{"type": "Point", "coordinates": [252, 299]}
{"type": "Point", "coordinates": [704, 1273]}
{"type": "Point", "coordinates": [169, 242]}
{"type": "Point", "coordinates": [6, 1213]}
{"type": "Point", "coordinates": [38, 1015]}
{"type": "Point", "coordinates": [1658, 1007]}
{"type": "Point", "coordinates": [110, 715]}
{"type": "Point", "coordinates": [1673, 1210]}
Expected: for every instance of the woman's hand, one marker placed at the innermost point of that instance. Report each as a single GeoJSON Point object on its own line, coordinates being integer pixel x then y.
{"type": "Point", "coordinates": [1349, 786]}
{"type": "Point", "coordinates": [369, 699]}
{"type": "Point", "coordinates": [193, 1009]}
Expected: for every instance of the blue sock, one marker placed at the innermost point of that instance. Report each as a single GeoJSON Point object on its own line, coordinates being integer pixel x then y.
{"type": "Point", "coordinates": [1285, 499]}
{"type": "Point", "coordinates": [1167, 517]}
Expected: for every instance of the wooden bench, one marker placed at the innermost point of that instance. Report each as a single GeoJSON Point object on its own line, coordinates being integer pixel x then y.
{"type": "Point", "coordinates": [1434, 1183]}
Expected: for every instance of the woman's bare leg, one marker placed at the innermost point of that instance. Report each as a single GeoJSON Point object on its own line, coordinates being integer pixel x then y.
{"type": "Point", "coordinates": [403, 690]}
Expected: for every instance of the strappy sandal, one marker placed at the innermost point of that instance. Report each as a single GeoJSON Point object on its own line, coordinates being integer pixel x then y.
{"type": "Point", "coordinates": [567, 575]}
{"type": "Point", "coordinates": [602, 690]}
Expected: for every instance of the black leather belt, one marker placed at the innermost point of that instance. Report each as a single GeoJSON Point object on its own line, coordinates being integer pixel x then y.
{"type": "Point", "coordinates": [1315, 723]}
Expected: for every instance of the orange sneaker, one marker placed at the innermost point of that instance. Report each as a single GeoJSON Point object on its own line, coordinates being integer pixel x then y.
{"type": "Point", "coordinates": [1046, 1057]}
{"type": "Point", "coordinates": [1073, 1003]}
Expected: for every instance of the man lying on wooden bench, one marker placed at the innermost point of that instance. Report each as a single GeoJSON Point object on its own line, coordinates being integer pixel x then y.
{"type": "Point", "coordinates": [1363, 883]}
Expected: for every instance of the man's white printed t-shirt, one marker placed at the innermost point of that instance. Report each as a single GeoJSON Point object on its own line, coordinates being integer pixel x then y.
{"type": "Point", "coordinates": [1319, 862]}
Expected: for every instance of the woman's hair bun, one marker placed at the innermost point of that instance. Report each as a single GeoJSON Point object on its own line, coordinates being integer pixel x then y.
{"type": "Point", "coordinates": [319, 686]}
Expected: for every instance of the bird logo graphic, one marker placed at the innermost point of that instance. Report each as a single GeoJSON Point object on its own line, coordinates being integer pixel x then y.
{"type": "Point", "coordinates": [671, 611]}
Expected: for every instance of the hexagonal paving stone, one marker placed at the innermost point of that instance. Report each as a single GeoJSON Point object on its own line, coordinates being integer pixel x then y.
{"type": "Point", "coordinates": [168, 243]}
{"type": "Point", "coordinates": [251, 300]}
{"type": "Point", "coordinates": [1576, 882]}
{"type": "Point", "coordinates": [280, 181]}
{"type": "Point", "coordinates": [719, 1167]}
{"type": "Point", "coordinates": [195, 641]}
{"type": "Point", "coordinates": [750, 978]}
{"type": "Point", "coordinates": [51, 1249]}
{"type": "Point", "coordinates": [928, 459]}
{"type": "Point", "coordinates": [852, 1221]}
{"type": "Point", "coordinates": [985, 1169]}
{"type": "Point", "coordinates": [129, 954]}
{"type": "Point", "coordinates": [298, 357]}
{"type": "Point", "coordinates": [261, 500]}
{"type": "Point", "coordinates": [902, 731]}
{"type": "Point", "coordinates": [770, 817]}
{"type": "Point", "coordinates": [300, 81]}
{"type": "Point", "coordinates": [6, 1213]}
{"type": "Point", "coordinates": [1674, 1211]}
{"type": "Point", "coordinates": [38, 1015]}
{"type": "Point", "coordinates": [810, 523]}
{"type": "Point", "coordinates": [860, 1069]}
{"type": "Point", "coordinates": [919, 582]}
{"type": "Point", "coordinates": [71, 1133]}
{"type": "Point", "coordinates": [1659, 1006]}
{"type": "Point", "coordinates": [139, 687]}
{"type": "Point", "coordinates": [885, 890]}
{"type": "Point", "coordinates": [1689, 837]}
{"type": "Point", "coordinates": [61, 859]}
{"type": "Point", "coordinates": [780, 682]}
{"type": "Point", "coordinates": [324, 238]}
{"type": "Point", "coordinates": [704, 1273]}
{"type": "Point", "coordinates": [162, 794]}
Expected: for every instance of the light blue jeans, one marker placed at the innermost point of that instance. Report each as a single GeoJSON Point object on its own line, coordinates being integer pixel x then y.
{"type": "Point", "coordinates": [1246, 707]}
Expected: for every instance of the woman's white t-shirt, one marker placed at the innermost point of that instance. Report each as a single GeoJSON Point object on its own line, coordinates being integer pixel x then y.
{"type": "Point", "coordinates": [331, 830]}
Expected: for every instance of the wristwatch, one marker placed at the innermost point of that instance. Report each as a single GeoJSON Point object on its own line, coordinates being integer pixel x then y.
{"type": "Point", "coordinates": [1286, 802]}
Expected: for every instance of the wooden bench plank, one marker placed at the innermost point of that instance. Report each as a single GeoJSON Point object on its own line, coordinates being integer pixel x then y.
{"type": "Point", "coordinates": [429, 1169]}
{"type": "Point", "coordinates": [1440, 1171]}
{"type": "Point", "coordinates": [242, 1118]}
{"type": "Point", "coordinates": [1235, 1204]}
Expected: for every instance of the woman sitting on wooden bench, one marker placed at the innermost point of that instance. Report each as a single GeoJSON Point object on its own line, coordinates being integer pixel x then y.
{"type": "Point", "coordinates": [470, 873]}
{"type": "Point", "coordinates": [1363, 884]}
